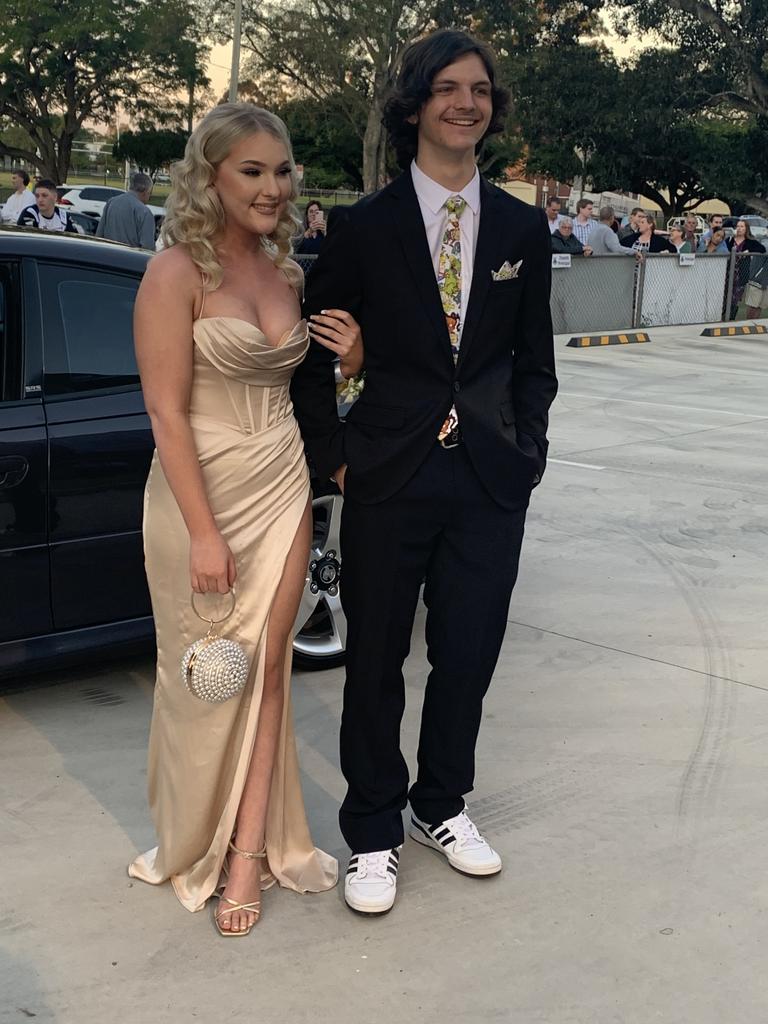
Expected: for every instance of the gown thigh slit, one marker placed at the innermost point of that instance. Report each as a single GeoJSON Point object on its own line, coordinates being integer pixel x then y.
{"type": "Point", "coordinates": [253, 464]}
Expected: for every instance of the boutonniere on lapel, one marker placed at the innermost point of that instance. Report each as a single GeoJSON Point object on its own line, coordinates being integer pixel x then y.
{"type": "Point", "coordinates": [507, 271]}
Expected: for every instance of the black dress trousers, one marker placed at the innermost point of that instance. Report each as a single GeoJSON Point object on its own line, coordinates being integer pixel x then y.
{"type": "Point", "coordinates": [444, 529]}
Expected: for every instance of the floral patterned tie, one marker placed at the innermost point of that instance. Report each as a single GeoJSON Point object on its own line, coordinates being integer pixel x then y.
{"type": "Point", "coordinates": [449, 283]}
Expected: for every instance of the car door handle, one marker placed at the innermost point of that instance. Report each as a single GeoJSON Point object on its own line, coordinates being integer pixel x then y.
{"type": "Point", "coordinates": [13, 469]}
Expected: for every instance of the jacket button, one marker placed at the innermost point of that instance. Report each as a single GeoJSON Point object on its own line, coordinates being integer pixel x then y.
{"type": "Point", "coordinates": [456, 386]}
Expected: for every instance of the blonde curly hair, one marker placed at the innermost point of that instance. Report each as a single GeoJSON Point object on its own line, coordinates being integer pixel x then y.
{"type": "Point", "coordinates": [194, 214]}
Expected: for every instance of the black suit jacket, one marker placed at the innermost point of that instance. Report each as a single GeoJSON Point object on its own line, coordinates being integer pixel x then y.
{"type": "Point", "coordinates": [376, 264]}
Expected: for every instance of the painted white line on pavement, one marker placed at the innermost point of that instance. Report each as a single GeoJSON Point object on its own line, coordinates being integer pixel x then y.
{"type": "Point", "coordinates": [665, 405]}
{"type": "Point", "coordinates": [581, 465]}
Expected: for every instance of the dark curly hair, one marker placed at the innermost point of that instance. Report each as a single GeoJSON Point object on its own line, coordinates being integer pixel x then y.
{"type": "Point", "coordinates": [421, 62]}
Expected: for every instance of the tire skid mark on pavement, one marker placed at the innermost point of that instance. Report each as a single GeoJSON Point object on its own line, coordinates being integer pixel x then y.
{"type": "Point", "coordinates": [534, 800]}
{"type": "Point", "coordinates": [700, 782]}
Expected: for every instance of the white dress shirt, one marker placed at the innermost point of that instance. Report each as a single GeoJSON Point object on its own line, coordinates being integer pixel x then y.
{"type": "Point", "coordinates": [432, 198]}
{"type": "Point", "coordinates": [15, 205]}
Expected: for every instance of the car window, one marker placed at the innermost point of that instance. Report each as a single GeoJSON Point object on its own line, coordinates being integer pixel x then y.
{"type": "Point", "coordinates": [10, 349]}
{"type": "Point", "coordinates": [98, 195]}
{"type": "Point", "coordinates": [88, 330]}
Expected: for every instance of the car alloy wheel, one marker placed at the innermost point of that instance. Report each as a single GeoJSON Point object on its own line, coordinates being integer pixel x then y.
{"type": "Point", "coordinates": [321, 629]}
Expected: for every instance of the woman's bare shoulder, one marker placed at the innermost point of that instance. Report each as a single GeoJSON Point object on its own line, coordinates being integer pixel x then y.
{"type": "Point", "coordinates": [294, 273]}
{"type": "Point", "coordinates": [174, 267]}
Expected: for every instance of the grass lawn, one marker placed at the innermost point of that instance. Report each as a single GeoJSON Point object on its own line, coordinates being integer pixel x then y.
{"type": "Point", "coordinates": [161, 191]}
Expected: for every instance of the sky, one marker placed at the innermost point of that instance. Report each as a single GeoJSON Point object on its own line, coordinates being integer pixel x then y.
{"type": "Point", "coordinates": [218, 68]}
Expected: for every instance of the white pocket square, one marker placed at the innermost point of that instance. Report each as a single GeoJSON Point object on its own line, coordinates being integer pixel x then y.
{"type": "Point", "coordinates": [507, 271]}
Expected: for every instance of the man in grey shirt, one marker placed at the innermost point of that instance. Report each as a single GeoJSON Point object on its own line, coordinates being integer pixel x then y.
{"type": "Point", "coordinates": [603, 239]}
{"type": "Point", "coordinates": [126, 217]}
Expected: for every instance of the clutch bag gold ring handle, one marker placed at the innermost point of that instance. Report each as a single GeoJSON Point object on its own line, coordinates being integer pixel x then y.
{"type": "Point", "coordinates": [206, 618]}
{"type": "Point", "coordinates": [211, 635]}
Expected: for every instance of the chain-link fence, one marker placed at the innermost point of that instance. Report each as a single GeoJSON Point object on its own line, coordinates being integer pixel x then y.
{"type": "Point", "coordinates": [617, 292]}
{"type": "Point", "coordinates": [607, 293]}
{"type": "Point", "coordinates": [595, 293]}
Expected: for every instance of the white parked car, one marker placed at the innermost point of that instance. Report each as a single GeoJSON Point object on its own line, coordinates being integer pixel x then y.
{"type": "Point", "coordinates": [92, 199]}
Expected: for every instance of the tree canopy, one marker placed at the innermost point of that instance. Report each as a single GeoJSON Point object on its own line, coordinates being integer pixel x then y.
{"type": "Point", "coordinates": [152, 148]}
{"type": "Point", "coordinates": [726, 44]}
{"type": "Point", "coordinates": [65, 62]}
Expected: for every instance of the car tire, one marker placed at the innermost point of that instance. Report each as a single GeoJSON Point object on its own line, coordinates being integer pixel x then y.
{"type": "Point", "coordinates": [321, 628]}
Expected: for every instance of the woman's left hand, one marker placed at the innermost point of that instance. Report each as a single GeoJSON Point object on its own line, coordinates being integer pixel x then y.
{"type": "Point", "coordinates": [338, 331]}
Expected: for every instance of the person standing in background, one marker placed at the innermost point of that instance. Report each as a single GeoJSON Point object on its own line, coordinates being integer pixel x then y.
{"type": "Point", "coordinates": [743, 243]}
{"type": "Point", "coordinates": [126, 217]}
{"type": "Point", "coordinates": [564, 241]}
{"type": "Point", "coordinates": [713, 241]}
{"type": "Point", "coordinates": [552, 210]}
{"type": "Point", "coordinates": [629, 225]}
{"type": "Point", "coordinates": [678, 239]}
{"type": "Point", "coordinates": [44, 214]}
{"type": "Point", "coordinates": [314, 230]}
{"type": "Point", "coordinates": [602, 238]}
{"type": "Point", "coordinates": [18, 201]}
{"type": "Point", "coordinates": [583, 225]}
{"type": "Point", "coordinates": [645, 239]}
{"type": "Point", "coordinates": [690, 234]}
{"type": "Point", "coordinates": [715, 224]}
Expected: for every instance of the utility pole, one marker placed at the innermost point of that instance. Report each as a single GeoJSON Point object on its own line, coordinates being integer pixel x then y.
{"type": "Point", "coordinates": [235, 72]}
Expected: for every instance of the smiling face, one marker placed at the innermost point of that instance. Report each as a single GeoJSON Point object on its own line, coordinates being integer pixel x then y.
{"type": "Point", "coordinates": [565, 229]}
{"type": "Point", "coordinates": [457, 114]}
{"type": "Point", "coordinates": [253, 183]}
{"type": "Point", "coordinates": [717, 236]}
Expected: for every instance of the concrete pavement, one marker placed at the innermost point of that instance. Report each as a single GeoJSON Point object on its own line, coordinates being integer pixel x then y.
{"type": "Point", "coordinates": [621, 771]}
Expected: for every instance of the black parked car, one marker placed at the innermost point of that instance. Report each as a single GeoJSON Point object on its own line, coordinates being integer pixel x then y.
{"type": "Point", "coordinates": [75, 447]}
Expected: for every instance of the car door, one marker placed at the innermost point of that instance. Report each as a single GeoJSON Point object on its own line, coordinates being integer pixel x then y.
{"type": "Point", "coordinates": [24, 567]}
{"type": "Point", "coordinates": [93, 199]}
{"type": "Point", "coordinates": [100, 445]}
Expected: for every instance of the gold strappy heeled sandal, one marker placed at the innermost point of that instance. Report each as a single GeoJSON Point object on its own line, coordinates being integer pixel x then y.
{"type": "Point", "coordinates": [252, 908]}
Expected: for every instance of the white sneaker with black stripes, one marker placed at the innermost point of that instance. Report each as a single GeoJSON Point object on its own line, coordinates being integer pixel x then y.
{"type": "Point", "coordinates": [460, 842]}
{"type": "Point", "coordinates": [371, 883]}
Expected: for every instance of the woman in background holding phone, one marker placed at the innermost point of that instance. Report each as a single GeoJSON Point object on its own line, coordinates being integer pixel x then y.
{"type": "Point", "coordinates": [314, 230]}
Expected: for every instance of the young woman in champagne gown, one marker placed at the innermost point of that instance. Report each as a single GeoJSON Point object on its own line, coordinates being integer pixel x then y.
{"type": "Point", "coordinates": [218, 336]}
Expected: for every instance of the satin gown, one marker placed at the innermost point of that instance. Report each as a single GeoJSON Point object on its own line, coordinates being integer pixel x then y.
{"type": "Point", "coordinates": [257, 483]}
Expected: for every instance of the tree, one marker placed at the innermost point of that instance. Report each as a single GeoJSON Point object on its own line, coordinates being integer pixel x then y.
{"type": "Point", "coordinates": [65, 62]}
{"type": "Point", "coordinates": [727, 44]}
{"type": "Point", "coordinates": [151, 149]}
{"type": "Point", "coordinates": [635, 127]}
{"type": "Point", "coordinates": [347, 51]}
{"type": "Point", "coordinates": [325, 142]}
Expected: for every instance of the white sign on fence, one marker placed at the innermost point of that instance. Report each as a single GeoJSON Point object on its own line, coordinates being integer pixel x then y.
{"type": "Point", "coordinates": [561, 259]}
{"type": "Point", "coordinates": [687, 259]}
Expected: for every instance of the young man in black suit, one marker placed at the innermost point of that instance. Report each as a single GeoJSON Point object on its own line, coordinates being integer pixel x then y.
{"type": "Point", "coordinates": [449, 279]}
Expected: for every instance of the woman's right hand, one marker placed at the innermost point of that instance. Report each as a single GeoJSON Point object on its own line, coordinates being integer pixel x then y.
{"type": "Point", "coordinates": [211, 564]}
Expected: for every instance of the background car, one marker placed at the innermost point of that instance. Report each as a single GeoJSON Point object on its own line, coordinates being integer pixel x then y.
{"type": "Point", "coordinates": [83, 220]}
{"type": "Point", "coordinates": [75, 448]}
{"type": "Point", "coordinates": [92, 199]}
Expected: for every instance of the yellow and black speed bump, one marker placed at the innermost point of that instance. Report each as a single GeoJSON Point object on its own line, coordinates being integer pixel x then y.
{"type": "Point", "coordinates": [590, 340]}
{"type": "Point", "coordinates": [729, 332]}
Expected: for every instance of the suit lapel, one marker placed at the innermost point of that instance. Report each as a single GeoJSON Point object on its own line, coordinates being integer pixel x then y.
{"type": "Point", "coordinates": [410, 227]}
{"type": "Point", "coordinates": [489, 231]}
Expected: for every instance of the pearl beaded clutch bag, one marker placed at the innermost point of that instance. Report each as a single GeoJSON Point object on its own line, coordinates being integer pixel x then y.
{"type": "Point", "coordinates": [214, 668]}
